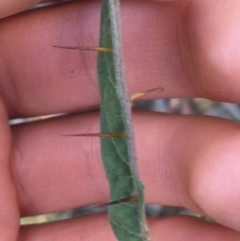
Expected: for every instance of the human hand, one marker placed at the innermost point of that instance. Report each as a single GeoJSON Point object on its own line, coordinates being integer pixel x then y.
{"type": "Point", "coordinates": [190, 48]}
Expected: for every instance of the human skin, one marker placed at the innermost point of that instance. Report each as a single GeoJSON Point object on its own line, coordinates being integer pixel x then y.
{"type": "Point", "coordinates": [189, 48]}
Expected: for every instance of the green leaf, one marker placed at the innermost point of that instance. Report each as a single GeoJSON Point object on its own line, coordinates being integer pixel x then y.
{"type": "Point", "coordinates": [127, 219]}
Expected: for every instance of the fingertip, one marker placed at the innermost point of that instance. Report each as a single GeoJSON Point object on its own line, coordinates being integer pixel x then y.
{"type": "Point", "coordinates": [216, 180]}
{"type": "Point", "coordinates": [214, 45]}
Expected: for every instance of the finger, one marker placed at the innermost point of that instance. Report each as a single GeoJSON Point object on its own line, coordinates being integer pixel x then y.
{"type": "Point", "coordinates": [186, 161]}
{"type": "Point", "coordinates": [179, 46]}
{"type": "Point", "coordinates": [214, 39]}
{"type": "Point", "coordinates": [9, 215]}
{"type": "Point", "coordinates": [8, 7]}
{"type": "Point", "coordinates": [185, 228]}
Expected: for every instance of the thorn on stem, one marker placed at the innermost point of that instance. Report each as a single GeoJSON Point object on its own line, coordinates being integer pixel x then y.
{"type": "Point", "coordinates": [140, 94]}
{"type": "Point", "coordinates": [99, 49]}
{"type": "Point", "coordinates": [124, 200]}
{"type": "Point", "coordinates": [117, 134]}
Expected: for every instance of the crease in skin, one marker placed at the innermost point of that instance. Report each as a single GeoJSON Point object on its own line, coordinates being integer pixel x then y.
{"type": "Point", "coordinates": [97, 186]}
{"type": "Point", "coordinates": [187, 200]}
{"type": "Point", "coordinates": [164, 169]}
{"type": "Point", "coordinates": [8, 86]}
{"type": "Point", "coordinates": [195, 206]}
{"type": "Point", "coordinates": [17, 161]}
{"type": "Point", "coordinates": [9, 213]}
{"type": "Point", "coordinates": [174, 171]}
{"type": "Point", "coordinates": [183, 40]}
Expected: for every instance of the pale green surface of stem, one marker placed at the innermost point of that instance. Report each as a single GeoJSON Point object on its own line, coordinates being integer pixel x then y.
{"type": "Point", "coordinates": [127, 219]}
